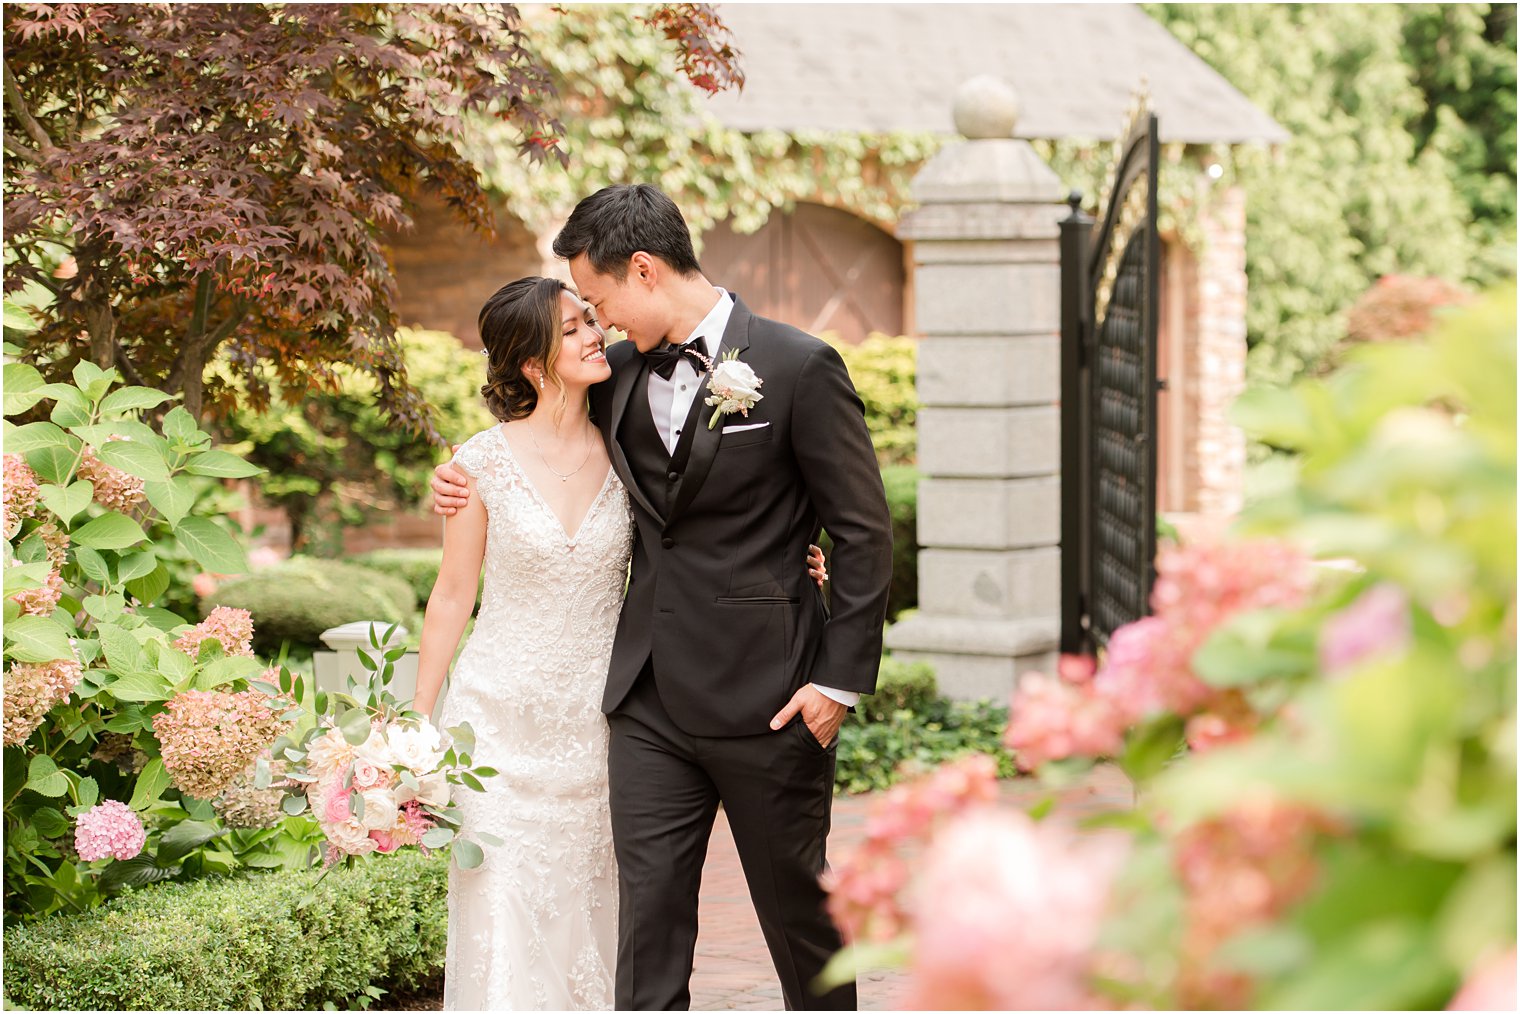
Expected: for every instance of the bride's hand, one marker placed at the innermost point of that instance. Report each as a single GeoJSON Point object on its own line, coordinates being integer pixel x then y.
{"type": "Point", "coordinates": [449, 489]}
{"type": "Point", "coordinates": [816, 570]}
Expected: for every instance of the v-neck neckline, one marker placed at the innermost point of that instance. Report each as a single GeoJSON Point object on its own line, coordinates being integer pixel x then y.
{"type": "Point", "coordinates": [570, 540]}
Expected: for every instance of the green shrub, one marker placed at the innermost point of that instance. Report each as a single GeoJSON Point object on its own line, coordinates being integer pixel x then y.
{"type": "Point", "coordinates": [901, 686]}
{"type": "Point", "coordinates": [906, 727]}
{"type": "Point", "coordinates": [336, 460]}
{"type": "Point", "coordinates": [240, 943]}
{"type": "Point", "coordinates": [878, 754]}
{"type": "Point", "coordinates": [884, 370]}
{"type": "Point", "coordinates": [901, 482]}
{"type": "Point", "coordinates": [92, 662]}
{"type": "Point", "coordinates": [298, 599]}
{"type": "Point", "coordinates": [417, 567]}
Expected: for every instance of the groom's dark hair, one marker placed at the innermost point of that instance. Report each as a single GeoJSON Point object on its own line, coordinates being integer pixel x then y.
{"type": "Point", "coordinates": [618, 221]}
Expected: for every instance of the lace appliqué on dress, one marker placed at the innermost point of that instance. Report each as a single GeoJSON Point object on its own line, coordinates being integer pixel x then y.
{"type": "Point", "coordinates": [535, 925]}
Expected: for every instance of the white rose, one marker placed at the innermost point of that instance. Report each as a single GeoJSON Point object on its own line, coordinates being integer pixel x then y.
{"type": "Point", "coordinates": [432, 790]}
{"type": "Point", "coordinates": [379, 809]}
{"type": "Point", "coordinates": [328, 754]}
{"type": "Point", "coordinates": [418, 747]}
{"type": "Point", "coordinates": [350, 837]}
{"type": "Point", "coordinates": [735, 380]}
{"type": "Point", "coordinates": [376, 750]}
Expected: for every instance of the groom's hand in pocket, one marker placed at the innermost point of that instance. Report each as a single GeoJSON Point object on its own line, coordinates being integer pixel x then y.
{"type": "Point", "coordinates": [449, 490]}
{"type": "Point", "coordinates": [821, 714]}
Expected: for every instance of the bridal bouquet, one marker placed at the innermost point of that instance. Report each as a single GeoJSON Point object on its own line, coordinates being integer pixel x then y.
{"type": "Point", "coordinates": [377, 776]}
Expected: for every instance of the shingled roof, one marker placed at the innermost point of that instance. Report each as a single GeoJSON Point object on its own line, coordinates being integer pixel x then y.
{"type": "Point", "coordinates": [883, 67]}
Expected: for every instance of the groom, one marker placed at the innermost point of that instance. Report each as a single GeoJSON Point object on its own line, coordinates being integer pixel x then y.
{"type": "Point", "coordinates": [728, 679]}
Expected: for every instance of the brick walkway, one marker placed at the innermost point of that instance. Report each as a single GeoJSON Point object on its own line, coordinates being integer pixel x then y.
{"type": "Point", "coordinates": [733, 969]}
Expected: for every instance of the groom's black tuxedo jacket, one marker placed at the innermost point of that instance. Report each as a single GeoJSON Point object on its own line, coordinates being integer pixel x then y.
{"type": "Point", "coordinates": [719, 595]}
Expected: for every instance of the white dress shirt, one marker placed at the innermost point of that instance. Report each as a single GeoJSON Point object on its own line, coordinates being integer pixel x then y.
{"type": "Point", "coordinates": [670, 402]}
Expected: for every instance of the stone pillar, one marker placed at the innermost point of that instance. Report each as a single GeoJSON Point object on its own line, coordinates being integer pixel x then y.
{"type": "Point", "coordinates": [987, 282]}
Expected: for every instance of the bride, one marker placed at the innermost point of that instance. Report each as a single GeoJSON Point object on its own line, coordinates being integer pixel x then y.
{"type": "Point", "coordinates": [535, 925]}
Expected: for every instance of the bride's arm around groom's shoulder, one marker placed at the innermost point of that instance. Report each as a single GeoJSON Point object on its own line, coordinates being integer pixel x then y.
{"type": "Point", "coordinates": [838, 465]}
{"type": "Point", "coordinates": [453, 597]}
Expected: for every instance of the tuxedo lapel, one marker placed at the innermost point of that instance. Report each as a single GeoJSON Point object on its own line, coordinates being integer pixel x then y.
{"type": "Point", "coordinates": [635, 372]}
{"type": "Point", "coordinates": [704, 442]}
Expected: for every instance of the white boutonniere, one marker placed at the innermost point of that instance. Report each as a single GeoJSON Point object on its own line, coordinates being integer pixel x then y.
{"type": "Point", "coordinates": [734, 387]}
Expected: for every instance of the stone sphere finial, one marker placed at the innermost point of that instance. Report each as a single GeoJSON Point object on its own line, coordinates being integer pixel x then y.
{"type": "Point", "coordinates": [985, 107]}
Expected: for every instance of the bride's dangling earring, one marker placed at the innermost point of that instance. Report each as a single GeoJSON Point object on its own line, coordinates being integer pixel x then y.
{"type": "Point", "coordinates": [540, 381]}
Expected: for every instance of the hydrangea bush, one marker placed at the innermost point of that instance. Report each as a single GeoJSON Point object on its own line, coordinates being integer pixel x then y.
{"type": "Point", "coordinates": [1319, 719]}
{"type": "Point", "coordinates": [127, 730]}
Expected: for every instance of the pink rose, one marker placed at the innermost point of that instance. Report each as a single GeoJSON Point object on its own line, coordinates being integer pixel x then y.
{"type": "Point", "coordinates": [385, 841]}
{"type": "Point", "coordinates": [368, 776]}
{"type": "Point", "coordinates": [336, 811]}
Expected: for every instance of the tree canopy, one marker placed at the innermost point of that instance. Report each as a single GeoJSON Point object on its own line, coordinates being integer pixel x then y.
{"type": "Point", "coordinates": [192, 176]}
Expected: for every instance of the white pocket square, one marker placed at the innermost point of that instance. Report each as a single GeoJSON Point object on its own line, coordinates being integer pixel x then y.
{"type": "Point", "coordinates": [749, 426]}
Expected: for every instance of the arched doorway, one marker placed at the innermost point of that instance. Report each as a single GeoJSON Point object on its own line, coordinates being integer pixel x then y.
{"type": "Point", "coordinates": [817, 268]}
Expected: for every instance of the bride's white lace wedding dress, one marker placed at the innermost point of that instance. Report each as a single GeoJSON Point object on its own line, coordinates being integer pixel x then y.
{"type": "Point", "coordinates": [535, 925]}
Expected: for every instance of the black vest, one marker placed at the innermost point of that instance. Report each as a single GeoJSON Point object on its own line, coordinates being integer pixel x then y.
{"type": "Point", "coordinates": [654, 469]}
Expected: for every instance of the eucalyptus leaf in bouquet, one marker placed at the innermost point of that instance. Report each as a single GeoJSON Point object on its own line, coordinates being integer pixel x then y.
{"type": "Point", "coordinates": [377, 775]}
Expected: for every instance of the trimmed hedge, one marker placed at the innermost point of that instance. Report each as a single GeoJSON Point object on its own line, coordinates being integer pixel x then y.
{"type": "Point", "coordinates": [900, 686]}
{"type": "Point", "coordinates": [240, 943]}
{"type": "Point", "coordinates": [417, 567]}
{"type": "Point", "coordinates": [298, 599]}
{"type": "Point", "coordinates": [884, 369]}
{"type": "Point", "coordinates": [901, 482]}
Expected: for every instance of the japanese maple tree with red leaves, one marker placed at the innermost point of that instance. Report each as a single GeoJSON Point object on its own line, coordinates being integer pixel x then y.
{"type": "Point", "coordinates": [196, 179]}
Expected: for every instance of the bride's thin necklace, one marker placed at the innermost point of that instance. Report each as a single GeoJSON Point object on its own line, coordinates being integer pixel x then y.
{"type": "Point", "coordinates": [563, 476]}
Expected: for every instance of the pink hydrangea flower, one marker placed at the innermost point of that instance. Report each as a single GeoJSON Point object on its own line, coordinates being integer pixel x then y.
{"type": "Point", "coordinates": [1077, 668]}
{"type": "Point", "coordinates": [1147, 668]}
{"type": "Point", "coordinates": [20, 494]}
{"type": "Point", "coordinates": [233, 628]}
{"type": "Point", "coordinates": [114, 489]}
{"type": "Point", "coordinates": [1237, 870]}
{"type": "Point", "coordinates": [32, 689]}
{"type": "Point", "coordinates": [1052, 719]}
{"type": "Point", "coordinates": [208, 737]}
{"type": "Point", "coordinates": [1007, 914]}
{"type": "Point", "coordinates": [40, 601]}
{"type": "Point", "coordinates": [864, 888]}
{"type": "Point", "coordinates": [109, 830]}
{"type": "Point", "coordinates": [243, 804]}
{"type": "Point", "coordinates": [57, 542]}
{"type": "Point", "coordinates": [1377, 623]}
{"type": "Point", "coordinates": [1490, 986]}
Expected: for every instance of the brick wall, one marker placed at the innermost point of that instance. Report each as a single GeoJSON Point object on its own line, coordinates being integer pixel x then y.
{"type": "Point", "coordinates": [1218, 361]}
{"type": "Point", "coordinates": [445, 270]}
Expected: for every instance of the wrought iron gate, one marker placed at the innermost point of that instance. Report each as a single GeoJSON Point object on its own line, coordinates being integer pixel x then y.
{"type": "Point", "coordinates": [1110, 291]}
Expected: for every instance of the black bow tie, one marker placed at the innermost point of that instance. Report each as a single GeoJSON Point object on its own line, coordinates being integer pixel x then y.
{"type": "Point", "coordinates": [663, 360]}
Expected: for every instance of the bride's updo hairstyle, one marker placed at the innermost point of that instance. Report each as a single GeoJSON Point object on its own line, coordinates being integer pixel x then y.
{"type": "Point", "coordinates": [520, 327]}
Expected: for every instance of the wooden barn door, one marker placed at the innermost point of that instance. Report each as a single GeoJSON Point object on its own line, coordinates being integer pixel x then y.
{"type": "Point", "coordinates": [817, 268]}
